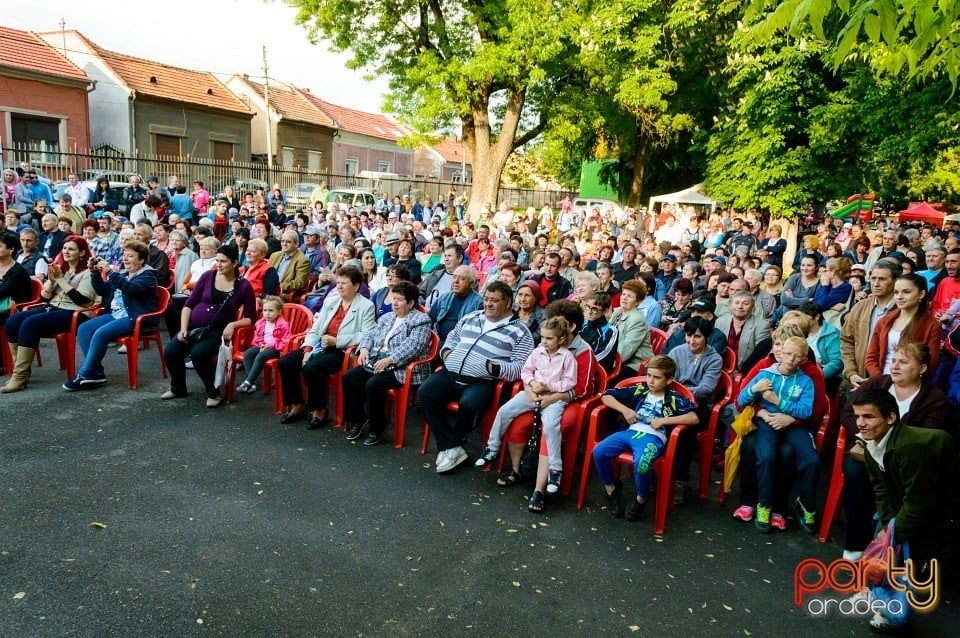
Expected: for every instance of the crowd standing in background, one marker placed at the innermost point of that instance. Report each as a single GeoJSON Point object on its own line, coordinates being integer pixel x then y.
{"type": "Point", "coordinates": [673, 295]}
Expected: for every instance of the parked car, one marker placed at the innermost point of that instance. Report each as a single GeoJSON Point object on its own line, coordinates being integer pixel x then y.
{"type": "Point", "coordinates": [92, 174]}
{"type": "Point", "coordinates": [584, 205]}
{"type": "Point", "coordinates": [299, 195]}
{"type": "Point", "coordinates": [115, 187]}
{"type": "Point", "coordinates": [347, 197]}
{"type": "Point", "coordinates": [240, 186]}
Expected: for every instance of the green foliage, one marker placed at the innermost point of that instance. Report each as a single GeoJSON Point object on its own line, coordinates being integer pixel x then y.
{"type": "Point", "coordinates": [918, 38]}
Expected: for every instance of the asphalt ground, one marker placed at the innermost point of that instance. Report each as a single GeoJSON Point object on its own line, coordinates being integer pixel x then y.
{"type": "Point", "coordinates": [123, 515]}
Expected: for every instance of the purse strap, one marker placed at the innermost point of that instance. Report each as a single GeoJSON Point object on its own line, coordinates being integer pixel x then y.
{"type": "Point", "coordinates": [216, 315]}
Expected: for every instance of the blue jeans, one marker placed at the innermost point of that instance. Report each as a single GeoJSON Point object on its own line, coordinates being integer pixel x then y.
{"type": "Point", "coordinates": [94, 336]}
{"type": "Point", "coordinates": [808, 462]}
{"type": "Point", "coordinates": [646, 449]}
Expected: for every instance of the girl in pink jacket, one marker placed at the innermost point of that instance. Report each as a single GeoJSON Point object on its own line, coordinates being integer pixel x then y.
{"type": "Point", "coordinates": [271, 335]}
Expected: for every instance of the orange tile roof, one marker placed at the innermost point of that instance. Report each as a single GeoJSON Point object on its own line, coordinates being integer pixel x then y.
{"type": "Point", "coordinates": [293, 104]}
{"type": "Point", "coordinates": [166, 82]}
{"type": "Point", "coordinates": [360, 122]}
{"type": "Point", "coordinates": [26, 50]}
{"type": "Point", "coordinates": [452, 150]}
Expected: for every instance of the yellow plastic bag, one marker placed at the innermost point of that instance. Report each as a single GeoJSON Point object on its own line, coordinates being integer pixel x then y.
{"type": "Point", "coordinates": [741, 426]}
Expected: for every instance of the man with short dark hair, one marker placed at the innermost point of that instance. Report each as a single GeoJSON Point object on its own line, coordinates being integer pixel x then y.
{"type": "Point", "coordinates": [29, 250]}
{"type": "Point", "coordinates": [484, 347]}
{"type": "Point", "coordinates": [440, 280]}
{"type": "Point", "coordinates": [914, 476]}
{"type": "Point", "coordinates": [863, 317]}
{"type": "Point", "coordinates": [552, 284]}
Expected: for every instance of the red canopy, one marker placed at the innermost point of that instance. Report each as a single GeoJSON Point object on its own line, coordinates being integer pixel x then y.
{"type": "Point", "coordinates": [924, 213]}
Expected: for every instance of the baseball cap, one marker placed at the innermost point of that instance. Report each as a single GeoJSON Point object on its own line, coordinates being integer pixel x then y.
{"type": "Point", "coordinates": [392, 238]}
{"type": "Point", "coordinates": [721, 259]}
{"type": "Point", "coordinates": [312, 229]}
{"type": "Point", "coordinates": [153, 178]}
{"type": "Point", "coordinates": [108, 215]}
{"type": "Point", "coordinates": [704, 304]}
{"type": "Point", "coordinates": [670, 257]}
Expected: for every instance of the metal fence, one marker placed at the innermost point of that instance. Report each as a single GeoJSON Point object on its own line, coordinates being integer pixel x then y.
{"type": "Point", "coordinates": [216, 174]}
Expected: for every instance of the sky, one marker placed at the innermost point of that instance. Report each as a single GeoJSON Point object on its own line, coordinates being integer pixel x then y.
{"type": "Point", "coordinates": [219, 36]}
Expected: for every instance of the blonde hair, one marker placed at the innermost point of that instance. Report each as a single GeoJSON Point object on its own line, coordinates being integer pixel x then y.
{"type": "Point", "coordinates": [797, 318]}
{"type": "Point", "coordinates": [260, 245]}
{"type": "Point", "coordinates": [272, 299]}
{"type": "Point", "coordinates": [800, 343]}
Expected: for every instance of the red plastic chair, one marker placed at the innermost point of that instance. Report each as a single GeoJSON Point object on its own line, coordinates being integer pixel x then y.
{"type": "Point", "coordinates": [403, 395]}
{"type": "Point", "coordinates": [488, 416]}
{"type": "Point", "coordinates": [35, 289]}
{"type": "Point", "coordinates": [663, 466]}
{"type": "Point", "coordinates": [836, 485]}
{"type": "Point", "coordinates": [729, 361]}
{"type": "Point", "coordinates": [299, 317]}
{"type": "Point", "coordinates": [723, 395]}
{"type": "Point", "coordinates": [145, 335]}
{"type": "Point", "coordinates": [67, 341]}
{"type": "Point", "coordinates": [658, 339]}
{"type": "Point", "coordinates": [571, 428]}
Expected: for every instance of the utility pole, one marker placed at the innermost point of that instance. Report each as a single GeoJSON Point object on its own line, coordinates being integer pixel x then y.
{"type": "Point", "coordinates": [266, 98]}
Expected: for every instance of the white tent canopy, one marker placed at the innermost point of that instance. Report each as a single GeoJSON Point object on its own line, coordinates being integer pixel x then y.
{"type": "Point", "coordinates": [693, 195]}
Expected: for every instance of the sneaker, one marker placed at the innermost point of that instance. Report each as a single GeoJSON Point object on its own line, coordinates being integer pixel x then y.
{"type": "Point", "coordinates": [372, 439]}
{"type": "Point", "coordinates": [454, 457]}
{"type": "Point", "coordinates": [763, 519]}
{"type": "Point", "coordinates": [806, 519]}
{"type": "Point", "coordinates": [634, 511]}
{"type": "Point", "coordinates": [355, 431]}
{"type": "Point", "coordinates": [678, 489]}
{"type": "Point", "coordinates": [553, 482]}
{"type": "Point", "coordinates": [777, 521]}
{"type": "Point", "coordinates": [614, 500]}
{"type": "Point", "coordinates": [743, 513]}
{"type": "Point", "coordinates": [74, 384]}
{"type": "Point", "coordinates": [486, 457]}
{"type": "Point", "coordinates": [189, 364]}
{"type": "Point", "coordinates": [96, 378]}
{"type": "Point", "coordinates": [851, 556]}
{"type": "Point", "coordinates": [122, 350]}
{"type": "Point", "coordinates": [244, 388]}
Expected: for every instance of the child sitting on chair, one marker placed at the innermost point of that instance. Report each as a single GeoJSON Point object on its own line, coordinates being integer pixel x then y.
{"type": "Point", "coordinates": [650, 410]}
{"type": "Point", "coordinates": [550, 370]}
{"type": "Point", "coordinates": [271, 335]}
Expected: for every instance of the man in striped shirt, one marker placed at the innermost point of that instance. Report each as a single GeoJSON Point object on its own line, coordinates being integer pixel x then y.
{"type": "Point", "coordinates": [485, 346]}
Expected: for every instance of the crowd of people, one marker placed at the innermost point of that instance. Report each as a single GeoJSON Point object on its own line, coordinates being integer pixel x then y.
{"type": "Point", "coordinates": [541, 298]}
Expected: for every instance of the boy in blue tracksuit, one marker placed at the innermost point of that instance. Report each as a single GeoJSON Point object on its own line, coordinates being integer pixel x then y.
{"type": "Point", "coordinates": [651, 410]}
{"type": "Point", "coordinates": [783, 397]}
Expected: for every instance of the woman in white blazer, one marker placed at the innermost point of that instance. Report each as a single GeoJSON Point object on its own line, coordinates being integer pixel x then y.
{"type": "Point", "coordinates": [338, 325]}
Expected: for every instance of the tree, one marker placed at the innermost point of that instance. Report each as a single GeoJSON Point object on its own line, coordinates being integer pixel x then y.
{"type": "Point", "coordinates": [495, 67]}
{"type": "Point", "coordinates": [920, 37]}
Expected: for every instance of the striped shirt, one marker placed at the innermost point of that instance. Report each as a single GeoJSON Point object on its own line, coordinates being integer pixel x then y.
{"type": "Point", "coordinates": [508, 344]}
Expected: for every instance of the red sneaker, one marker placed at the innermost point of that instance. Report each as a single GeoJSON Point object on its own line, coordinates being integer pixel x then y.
{"type": "Point", "coordinates": [778, 522]}
{"type": "Point", "coordinates": [744, 513]}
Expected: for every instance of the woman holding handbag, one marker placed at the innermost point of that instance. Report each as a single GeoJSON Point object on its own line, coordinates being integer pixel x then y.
{"type": "Point", "coordinates": [209, 316]}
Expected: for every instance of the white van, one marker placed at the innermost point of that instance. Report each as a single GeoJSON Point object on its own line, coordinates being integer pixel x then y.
{"type": "Point", "coordinates": [608, 207]}
{"type": "Point", "coordinates": [379, 182]}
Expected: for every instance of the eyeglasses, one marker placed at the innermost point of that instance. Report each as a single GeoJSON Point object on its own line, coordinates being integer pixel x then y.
{"type": "Point", "coordinates": [594, 308]}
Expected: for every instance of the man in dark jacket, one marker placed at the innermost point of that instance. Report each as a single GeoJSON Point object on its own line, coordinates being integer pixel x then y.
{"type": "Point", "coordinates": [914, 478]}
{"type": "Point", "coordinates": [553, 285]}
{"type": "Point", "coordinates": [597, 331]}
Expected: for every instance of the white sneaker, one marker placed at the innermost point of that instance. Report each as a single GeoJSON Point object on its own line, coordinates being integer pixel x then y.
{"type": "Point", "coordinates": [441, 459]}
{"type": "Point", "coordinates": [880, 624]}
{"type": "Point", "coordinates": [189, 364]}
{"type": "Point", "coordinates": [455, 456]}
{"type": "Point", "coordinates": [851, 556]}
{"type": "Point", "coordinates": [122, 350]}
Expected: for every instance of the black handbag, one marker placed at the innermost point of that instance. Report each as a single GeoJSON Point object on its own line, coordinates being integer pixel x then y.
{"type": "Point", "coordinates": [197, 335]}
{"type": "Point", "coordinates": [531, 454]}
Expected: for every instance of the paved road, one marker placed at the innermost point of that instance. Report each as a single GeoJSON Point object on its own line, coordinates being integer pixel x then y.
{"type": "Point", "coordinates": [225, 523]}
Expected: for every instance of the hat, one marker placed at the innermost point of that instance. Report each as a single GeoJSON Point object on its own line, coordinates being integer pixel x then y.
{"type": "Point", "coordinates": [670, 257]}
{"type": "Point", "coordinates": [205, 221]}
{"type": "Point", "coordinates": [291, 222]}
{"type": "Point", "coordinates": [683, 285]}
{"type": "Point", "coordinates": [312, 229]}
{"type": "Point", "coordinates": [122, 219]}
{"type": "Point", "coordinates": [392, 215]}
{"type": "Point", "coordinates": [108, 215]}
{"type": "Point", "coordinates": [392, 238]}
{"type": "Point", "coordinates": [704, 304]}
{"type": "Point", "coordinates": [859, 267]}
{"type": "Point", "coordinates": [848, 225]}
{"type": "Point", "coordinates": [233, 211]}
{"type": "Point", "coordinates": [535, 289]}
{"type": "Point", "coordinates": [153, 178]}
{"type": "Point", "coordinates": [721, 259]}
{"type": "Point", "coordinates": [748, 224]}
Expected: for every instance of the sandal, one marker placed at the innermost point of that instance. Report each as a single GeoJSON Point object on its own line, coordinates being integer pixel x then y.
{"type": "Point", "coordinates": [509, 479]}
{"type": "Point", "coordinates": [536, 504]}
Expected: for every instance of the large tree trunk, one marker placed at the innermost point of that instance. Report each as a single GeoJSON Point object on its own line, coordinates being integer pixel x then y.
{"type": "Point", "coordinates": [489, 156]}
{"type": "Point", "coordinates": [639, 166]}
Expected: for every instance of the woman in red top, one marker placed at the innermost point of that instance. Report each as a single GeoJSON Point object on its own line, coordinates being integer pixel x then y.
{"type": "Point", "coordinates": [261, 275]}
{"type": "Point", "coordinates": [911, 320]}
